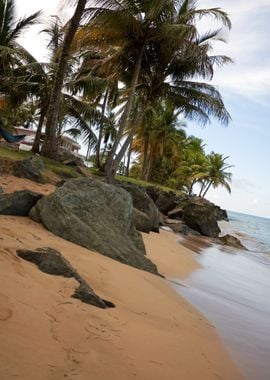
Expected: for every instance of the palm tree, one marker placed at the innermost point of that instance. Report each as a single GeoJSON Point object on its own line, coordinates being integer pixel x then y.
{"type": "Point", "coordinates": [143, 33]}
{"type": "Point", "coordinates": [160, 129]}
{"type": "Point", "coordinates": [192, 165]}
{"type": "Point", "coordinates": [76, 111]}
{"type": "Point", "coordinates": [12, 55]}
{"type": "Point", "coordinates": [129, 26]}
{"type": "Point", "coordinates": [216, 173]}
{"type": "Point", "coordinates": [10, 29]}
{"type": "Point", "coordinates": [50, 144]}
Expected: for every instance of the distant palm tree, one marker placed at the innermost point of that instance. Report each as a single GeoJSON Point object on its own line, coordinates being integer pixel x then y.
{"type": "Point", "coordinates": [192, 166]}
{"type": "Point", "coordinates": [160, 129]}
{"type": "Point", "coordinates": [216, 173]}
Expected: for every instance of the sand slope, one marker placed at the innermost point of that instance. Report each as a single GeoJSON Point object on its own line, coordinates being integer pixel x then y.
{"type": "Point", "coordinates": [152, 334]}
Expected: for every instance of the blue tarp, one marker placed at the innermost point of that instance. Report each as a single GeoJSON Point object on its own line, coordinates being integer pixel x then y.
{"type": "Point", "coordinates": [9, 137]}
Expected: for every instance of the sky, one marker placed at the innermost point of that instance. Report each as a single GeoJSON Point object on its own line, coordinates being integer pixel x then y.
{"type": "Point", "coordinates": [245, 87]}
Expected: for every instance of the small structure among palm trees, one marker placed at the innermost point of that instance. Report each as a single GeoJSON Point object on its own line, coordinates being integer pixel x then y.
{"type": "Point", "coordinates": [69, 144]}
{"type": "Point", "coordinates": [65, 142]}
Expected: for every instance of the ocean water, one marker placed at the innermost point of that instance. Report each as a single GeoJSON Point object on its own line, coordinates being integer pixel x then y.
{"type": "Point", "coordinates": [232, 289]}
{"type": "Point", "coordinates": [253, 231]}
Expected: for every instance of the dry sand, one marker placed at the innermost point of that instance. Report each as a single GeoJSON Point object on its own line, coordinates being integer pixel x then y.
{"type": "Point", "coordinates": [152, 334]}
{"type": "Point", "coordinates": [10, 183]}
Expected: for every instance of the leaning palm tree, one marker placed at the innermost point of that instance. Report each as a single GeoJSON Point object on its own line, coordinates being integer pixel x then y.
{"type": "Point", "coordinates": [50, 143]}
{"type": "Point", "coordinates": [142, 31]}
{"type": "Point", "coordinates": [216, 173]}
{"type": "Point", "coordinates": [76, 113]}
{"type": "Point", "coordinates": [128, 26]}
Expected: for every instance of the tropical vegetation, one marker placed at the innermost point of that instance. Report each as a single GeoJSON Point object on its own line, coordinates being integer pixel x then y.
{"type": "Point", "coordinates": [125, 77]}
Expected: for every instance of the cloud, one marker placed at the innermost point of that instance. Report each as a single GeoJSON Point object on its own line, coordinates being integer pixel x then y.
{"type": "Point", "coordinates": [248, 45]}
{"type": "Point", "coordinates": [243, 184]}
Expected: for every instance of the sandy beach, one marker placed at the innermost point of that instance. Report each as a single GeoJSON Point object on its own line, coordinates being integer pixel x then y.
{"type": "Point", "coordinates": [153, 333]}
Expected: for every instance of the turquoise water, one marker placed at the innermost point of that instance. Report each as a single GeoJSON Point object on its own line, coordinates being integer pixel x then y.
{"type": "Point", "coordinates": [232, 289]}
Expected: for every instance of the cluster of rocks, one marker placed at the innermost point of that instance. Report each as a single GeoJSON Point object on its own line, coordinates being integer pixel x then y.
{"type": "Point", "coordinates": [107, 218]}
{"type": "Point", "coordinates": [154, 207]}
{"type": "Point", "coordinates": [33, 167]}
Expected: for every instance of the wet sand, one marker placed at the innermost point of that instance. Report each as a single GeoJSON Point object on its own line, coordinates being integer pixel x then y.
{"type": "Point", "coordinates": [232, 290]}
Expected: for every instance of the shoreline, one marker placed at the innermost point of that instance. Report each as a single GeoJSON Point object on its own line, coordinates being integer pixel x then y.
{"type": "Point", "coordinates": [231, 290]}
{"type": "Point", "coordinates": [153, 333]}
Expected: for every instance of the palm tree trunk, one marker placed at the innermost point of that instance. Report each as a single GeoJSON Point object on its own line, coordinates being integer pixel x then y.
{"type": "Point", "coordinates": [202, 188]}
{"type": "Point", "coordinates": [49, 148]}
{"type": "Point", "coordinates": [110, 165]}
{"type": "Point", "coordinates": [145, 157]}
{"type": "Point", "coordinates": [129, 157]}
{"type": "Point", "coordinates": [88, 151]}
{"type": "Point", "coordinates": [191, 188]}
{"type": "Point", "coordinates": [98, 164]}
{"type": "Point", "coordinates": [36, 145]}
{"type": "Point", "coordinates": [115, 163]}
{"type": "Point", "coordinates": [150, 164]}
{"type": "Point", "coordinates": [207, 188]}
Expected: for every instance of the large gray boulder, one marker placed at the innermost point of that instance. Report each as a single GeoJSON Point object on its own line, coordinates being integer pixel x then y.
{"type": "Point", "coordinates": [18, 203]}
{"type": "Point", "coordinates": [147, 217]}
{"type": "Point", "coordinates": [30, 168]}
{"type": "Point", "coordinates": [200, 215]}
{"type": "Point", "coordinates": [97, 216]}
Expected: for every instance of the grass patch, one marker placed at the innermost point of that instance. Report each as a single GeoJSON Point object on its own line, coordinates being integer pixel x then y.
{"type": "Point", "coordinates": [65, 171]}
{"type": "Point", "coordinates": [61, 170]}
{"type": "Point", "coordinates": [14, 154]}
{"type": "Point", "coordinates": [139, 182]}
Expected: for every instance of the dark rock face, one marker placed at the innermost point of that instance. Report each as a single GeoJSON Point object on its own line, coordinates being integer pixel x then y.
{"type": "Point", "coordinates": [221, 214]}
{"type": "Point", "coordinates": [30, 168]}
{"type": "Point", "coordinates": [141, 221]}
{"type": "Point", "coordinates": [50, 261]}
{"type": "Point", "coordinates": [232, 241]}
{"type": "Point", "coordinates": [176, 225]}
{"type": "Point", "coordinates": [18, 203]}
{"type": "Point", "coordinates": [200, 215]}
{"type": "Point", "coordinates": [166, 202]}
{"type": "Point", "coordinates": [176, 213]}
{"type": "Point", "coordinates": [97, 216]}
{"type": "Point", "coordinates": [145, 205]}
{"type": "Point", "coordinates": [1, 190]}
{"type": "Point", "coordinates": [68, 158]}
{"type": "Point", "coordinates": [153, 192]}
